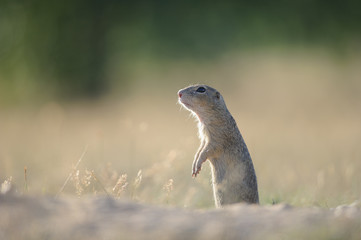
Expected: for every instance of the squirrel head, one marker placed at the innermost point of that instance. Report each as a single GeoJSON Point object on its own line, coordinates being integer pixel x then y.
{"type": "Point", "coordinates": [202, 100]}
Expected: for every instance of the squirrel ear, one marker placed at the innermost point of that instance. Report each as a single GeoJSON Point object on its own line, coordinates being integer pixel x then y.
{"type": "Point", "coordinates": [218, 95]}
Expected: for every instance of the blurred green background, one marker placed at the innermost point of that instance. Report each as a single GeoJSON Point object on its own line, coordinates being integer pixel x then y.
{"type": "Point", "coordinates": [105, 74]}
{"type": "Point", "coordinates": [83, 49]}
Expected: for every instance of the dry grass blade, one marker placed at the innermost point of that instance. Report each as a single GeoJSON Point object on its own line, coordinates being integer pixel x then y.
{"type": "Point", "coordinates": [25, 180]}
{"type": "Point", "coordinates": [168, 187]}
{"type": "Point", "coordinates": [121, 185]}
{"type": "Point", "coordinates": [136, 184]}
{"type": "Point", "coordinates": [100, 184]}
{"type": "Point", "coordinates": [71, 174]}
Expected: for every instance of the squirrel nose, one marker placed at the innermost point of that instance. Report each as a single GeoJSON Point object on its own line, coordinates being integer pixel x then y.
{"type": "Point", "coordinates": [180, 94]}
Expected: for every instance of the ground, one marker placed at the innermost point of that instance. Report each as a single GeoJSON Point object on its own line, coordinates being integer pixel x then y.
{"type": "Point", "coordinates": [28, 217]}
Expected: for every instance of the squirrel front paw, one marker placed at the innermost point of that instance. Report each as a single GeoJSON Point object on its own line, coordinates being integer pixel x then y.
{"type": "Point", "coordinates": [197, 163]}
{"type": "Point", "coordinates": [195, 172]}
{"type": "Point", "coordinates": [197, 166]}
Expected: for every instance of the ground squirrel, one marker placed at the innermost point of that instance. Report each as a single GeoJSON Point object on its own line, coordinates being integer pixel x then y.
{"type": "Point", "coordinates": [233, 176]}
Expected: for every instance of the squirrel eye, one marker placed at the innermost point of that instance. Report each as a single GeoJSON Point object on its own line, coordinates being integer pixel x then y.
{"type": "Point", "coordinates": [201, 90]}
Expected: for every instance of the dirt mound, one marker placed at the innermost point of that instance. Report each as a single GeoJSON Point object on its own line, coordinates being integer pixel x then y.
{"type": "Point", "coordinates": [30, 217]}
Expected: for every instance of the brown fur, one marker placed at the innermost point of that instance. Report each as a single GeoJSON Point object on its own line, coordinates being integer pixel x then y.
{"type": "Point", "coordinates": [233, 176]}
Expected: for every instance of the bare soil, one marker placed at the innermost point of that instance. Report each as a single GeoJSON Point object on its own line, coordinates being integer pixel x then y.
{"type": "Point", "coordinates": [42, 217]}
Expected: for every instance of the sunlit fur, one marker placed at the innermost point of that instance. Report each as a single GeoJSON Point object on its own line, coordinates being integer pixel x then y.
{"type": "Point", "coordinates": [233, 175]}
